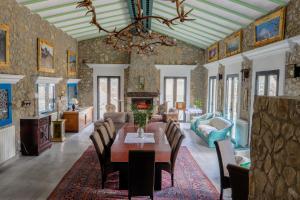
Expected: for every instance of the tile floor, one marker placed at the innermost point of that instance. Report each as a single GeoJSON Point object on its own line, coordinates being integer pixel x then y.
{"type": "Point", "coordinates": [35, 177]}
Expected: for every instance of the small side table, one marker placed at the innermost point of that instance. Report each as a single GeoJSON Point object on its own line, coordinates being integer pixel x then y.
{"type": "Point", "coordinates": [58, 130]}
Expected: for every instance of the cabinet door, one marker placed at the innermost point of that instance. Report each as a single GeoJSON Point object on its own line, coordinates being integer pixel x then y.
{"type": "Point", "coordinates": [44, 131]}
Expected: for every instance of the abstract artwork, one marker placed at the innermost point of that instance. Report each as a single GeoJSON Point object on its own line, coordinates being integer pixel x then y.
{"type": "Point", "coordinates": [233, 44]}
{"type": "Point", "coordinates": [72, 62]}
{"type": "Point", "coordinates": [3, 104]}
{"type": "Point", "coordinates": [213, 52]}
{"type": "Point", "coordinates": [4, 45]}
{"type": "Point", "coordinates": [45, 56]}
{"type": "Point", "coordinates": [270, 28]}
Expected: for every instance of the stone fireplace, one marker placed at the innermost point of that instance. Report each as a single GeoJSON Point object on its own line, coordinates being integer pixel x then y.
{"type": "Point", "coordinates": [142, 99]}
{"type": "Point", "coordinates": [142, 103]}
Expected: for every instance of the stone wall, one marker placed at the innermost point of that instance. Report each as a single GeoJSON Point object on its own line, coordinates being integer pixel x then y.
{"type": "Point", "coordinates": [275, 145]}
{"type": "Point", "coordinates": [25, 28]}
{"type": "Point", "coordinates": [96, 51]}
{"type": "Point", "coordinates": [292, 85]}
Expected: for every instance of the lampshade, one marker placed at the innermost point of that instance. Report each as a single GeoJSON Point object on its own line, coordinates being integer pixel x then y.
{"type": "Point", "coordinates": [180, 105]}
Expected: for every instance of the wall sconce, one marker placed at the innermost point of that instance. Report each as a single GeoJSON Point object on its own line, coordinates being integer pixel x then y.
{"type": "Point", "coordinates": [245, 73]}
{"type": "Point", "coordinates": [220, 76]}
{"type": "Point", "coordinates": [293, 70]}
{"type": "Point", "coordinates": [26, 103]}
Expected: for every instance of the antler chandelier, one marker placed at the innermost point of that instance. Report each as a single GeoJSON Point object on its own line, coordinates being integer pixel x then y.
{"type": "Point", "coordinates": [135, 35]}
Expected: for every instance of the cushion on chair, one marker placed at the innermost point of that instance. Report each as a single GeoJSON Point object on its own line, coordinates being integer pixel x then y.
{"type": "Point", "coordinates": [117, 117]}
{"type": "Point", "coordinates": [227, 154]}
{"type": "Point", "coordinates": [219, 123]}
{"type": "Point", "coordinates": [206, 129]}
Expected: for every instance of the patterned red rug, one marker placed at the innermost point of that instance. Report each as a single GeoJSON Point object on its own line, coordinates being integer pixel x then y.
{"type": "Point", "coordinates": [83, 181]}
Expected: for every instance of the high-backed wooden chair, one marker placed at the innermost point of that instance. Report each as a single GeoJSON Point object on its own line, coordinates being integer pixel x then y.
{"type": "Point", "coordinates": [141, 173]}
{"type": "Point", "coordinates": [109, 131]}
{"type": "Point", "coordinates": [170, 131]}
{"type": "Point", "coordinates": [112, 126]}
{"type": "Point", "coordinates": [170, 166]}
{"type": "Point", "coordinates": [225, 153]}
{"type": "Point", "coordinates": [173, 134]}
{"type": "Point", "coordinates": [106, 167]}
{"type": "Point", "coordinates": [168, 125]}
{"type": "Point", "coordinates": [239, 181]}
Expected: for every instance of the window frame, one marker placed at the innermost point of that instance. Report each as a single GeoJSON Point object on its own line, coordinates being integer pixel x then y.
{"type": "Point", "coordinates": [267, 74]}
{"type": "Point", "coordinates": [214, 94]}
{"type": "Point", "coordinates": [8, 121]}
{"type": "Point", "coordinates": [47, 99]}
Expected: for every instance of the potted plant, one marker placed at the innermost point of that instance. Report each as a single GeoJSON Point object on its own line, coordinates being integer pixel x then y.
{"type": "Point", "coordinates": [141, 118]}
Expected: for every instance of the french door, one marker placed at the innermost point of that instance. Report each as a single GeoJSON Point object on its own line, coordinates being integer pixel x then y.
{"type": "Point", "coordinates": [108, 93]}
{"type": "Point", "coordinates": [212, 94]}
{"type": "Point", "coordinates": [232, 82]}
{"type": "Point", "coordinates": [175, 91]}
{"type": "Point", "coordinates": [267, 83]}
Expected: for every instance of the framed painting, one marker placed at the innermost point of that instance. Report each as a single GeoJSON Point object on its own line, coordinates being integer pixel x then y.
{"type": "Point", "coordinates": [72, 62]}
{"type": "Point", "coordinates": [233, 44]}
{"type": "Point", "coordinates": [4, 45]}
{"type": "Point", "coordinates": [269, 28]}
{"type": "Point", "coordinates": [45, 56]}
{"type": "Point", "coordinates": [213, 52]}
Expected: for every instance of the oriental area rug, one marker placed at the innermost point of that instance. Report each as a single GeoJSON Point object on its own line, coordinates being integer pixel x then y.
{"type": "Point", "coordinates": [83, 181]}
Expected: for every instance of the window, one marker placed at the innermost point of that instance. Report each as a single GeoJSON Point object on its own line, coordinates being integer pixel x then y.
{"type": "Point", "coordinates": [5, 105]}
{"type": "Point", "coordinates": [212, 90]}
{"type": "Point", "coordinates": [46, 97]}
{"type": "Point", "coordinates": [232, 82]}
{"type": "Point", "coordinates": [108, 93]}
{"type": "Point", "coordinates": [175, 91]}
{"type": "Point", "coordinates": [72, 93]}
{"type": "Point", "coordinates": [267, 83]}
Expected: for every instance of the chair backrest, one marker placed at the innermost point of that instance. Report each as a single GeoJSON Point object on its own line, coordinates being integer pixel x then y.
{"type": "Point", "coordinates": [141, 173]}
{"type": "Point", "coordinates": [110, 108]}
{"type": "Point", "coordinates": [111, 124]}
{"type": "Point", "coordinates": [175, 150]}
{"type": "Point", "coordinates": [177, 134]}
{"type": "Point", "coordinates": [239, 182]}
{"type": "Point", "coordinates": [104, 136]}
{"type": "Point", "coordinates": [225, 153]}
{"type": "Point", "coordinates": [109, 131]}
{"type": "Point", "coordinates": [95, 137]}
{"type": "Point", "coordinates": [170, 121]}
{"type": "Point", "coordinates": [170, 131]}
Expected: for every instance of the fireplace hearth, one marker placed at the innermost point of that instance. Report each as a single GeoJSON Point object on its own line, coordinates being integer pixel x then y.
{"type": "Point", "coordinates": [142, 103]}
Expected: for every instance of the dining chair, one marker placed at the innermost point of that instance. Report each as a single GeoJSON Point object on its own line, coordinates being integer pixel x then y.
{"type": "Point", "coordinates": [109, 131]}
{"type": "Point", "coordinates": [112, 126]}
{"type": "Point", "coordinates": [170, 121]}
{"type": "Point", "coordinates": [225, 153]}
{"type": "Point", "coordinates": [170, 166]}
{"type": "Point", "coordinates": [173, 134]}
{"type": "Point", "coordinates": [141, 173]}
{"type": "Point", "coordinates": [239, 181]}
{"type": "Point", "coordinates": [105, 166]}
{"type": "Point", "coordinates": [171, 131]}
{"type": "Point", "coordinates": [168, 133]}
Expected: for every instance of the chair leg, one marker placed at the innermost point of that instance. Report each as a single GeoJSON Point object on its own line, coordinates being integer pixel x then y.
{"type": "Point", "coordinates": [221, 194]}
{"type": "Point", "coordinates": [172, 179]}
{"type": "Point", "coordinates": [151, 197]}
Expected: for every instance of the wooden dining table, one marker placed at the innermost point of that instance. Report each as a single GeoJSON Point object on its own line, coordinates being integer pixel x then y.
{"type": "Point", "coordinates": [120, 150]}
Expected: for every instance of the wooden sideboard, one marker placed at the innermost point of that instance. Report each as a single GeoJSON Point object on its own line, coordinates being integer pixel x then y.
{"type": "Point", "coordinates": [35, 134]}
{"type": "Point", "coordinates": [78, 119]}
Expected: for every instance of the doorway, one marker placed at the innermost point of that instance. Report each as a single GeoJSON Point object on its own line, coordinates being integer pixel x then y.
{"type": "Point", "coordinates": [231, 108]}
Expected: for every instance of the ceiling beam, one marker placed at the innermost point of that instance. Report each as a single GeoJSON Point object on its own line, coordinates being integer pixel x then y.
{"type": "Point", "coordinates": [29, 2]}
{"type": "Point", "coordinates": [92, 32]}
{"type": "Point", "coordinates": [231, 11]}
{"type": "Point", "coordinates": [181, 38]}
{"type": "Point", "coordinates": [279, 2]}
{"type": "Point", "coordinates": [250, 6]}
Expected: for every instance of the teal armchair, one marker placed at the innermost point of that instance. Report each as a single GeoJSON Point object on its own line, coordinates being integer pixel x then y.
{"type": "Point", "coordinates": [196, 120]}
{"type": "Point", "coordinates": [214, 129]}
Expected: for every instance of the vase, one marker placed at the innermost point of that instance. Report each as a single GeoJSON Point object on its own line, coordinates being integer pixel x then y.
{"type": "Point", "coordinates": [140, 132]}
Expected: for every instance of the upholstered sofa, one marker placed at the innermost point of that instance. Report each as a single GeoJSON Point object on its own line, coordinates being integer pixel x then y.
{"type": "Point", "coordinates": [196, 120]}
{"type": "Point", "coordinates": [119, 119]}
{"type": "Point", "coordinates": [216, 128]}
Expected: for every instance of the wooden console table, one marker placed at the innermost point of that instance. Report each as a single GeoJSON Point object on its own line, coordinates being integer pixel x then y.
{"type": "Point", "coordinates": [78, 119]}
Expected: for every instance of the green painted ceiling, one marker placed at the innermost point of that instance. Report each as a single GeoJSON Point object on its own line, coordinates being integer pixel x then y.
{"type": "Point", "coordinates": [214, 19]}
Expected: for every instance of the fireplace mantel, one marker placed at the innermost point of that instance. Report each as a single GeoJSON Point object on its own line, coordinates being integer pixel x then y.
{"type": "Point", "coordinates": [142, 94]}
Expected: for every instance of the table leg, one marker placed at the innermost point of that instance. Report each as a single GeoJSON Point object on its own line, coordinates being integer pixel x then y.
{"type": "Point", "coordinates": [157, 183]}
{"type": "Point", "coordinates": [123, 176]}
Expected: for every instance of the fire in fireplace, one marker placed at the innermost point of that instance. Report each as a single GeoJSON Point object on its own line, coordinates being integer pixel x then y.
{"type": "Point", "coordinates": [142, 103]}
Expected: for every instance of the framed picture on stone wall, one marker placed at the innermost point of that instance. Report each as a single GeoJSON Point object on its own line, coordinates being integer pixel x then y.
{"type": "Point", "coordinates": [4, 45]}
{"type": "Point", "coordinates": [269, 28]}
{"type": "Point", "coordinates": [72, 62]}
{"type": "Point", "coordinates": [233, 44]}
{"type": "Point", "coordinates": [45, 56]}
{"type": "Point", "coordinates": [213, 53]}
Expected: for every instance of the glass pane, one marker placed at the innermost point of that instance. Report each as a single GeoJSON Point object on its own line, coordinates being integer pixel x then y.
{"type": "Point", "coordinates": [169, 92]}
{"type": "Point", "coordinates": [180, 90]}
{"type": "Point", "coordinates": [229, 97]}
{"type": "Point", "coordinates": [114, 92]}
{"type": "Point", "coordinates": [42, 97]}
{"type": "Point", "coordinates": [214, 94]}
{"type": "Point", "coordinates": [210, 103]}
{"type": "Point", "coordinates": [235, 98]}
{"type": "Point", "coordinates": [3, 104]}
{"type": "Point", "coordinates": [272, 90]}
{"type": "Point", "coordinates": [103, 92]}
{"type": "Point", "coordinates": [51, 105]}
{"type": "Point", "coordinates": [261, 85]}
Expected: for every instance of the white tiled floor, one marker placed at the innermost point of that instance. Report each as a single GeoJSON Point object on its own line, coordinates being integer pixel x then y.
{"type": "Point", "coordinates": [35, 177]}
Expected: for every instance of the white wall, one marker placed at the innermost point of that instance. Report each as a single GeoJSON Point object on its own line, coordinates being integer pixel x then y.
{"type": "Point", "coordinates": [176, 71]}
{"type": "Point", "coordinates": [107, 70]}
